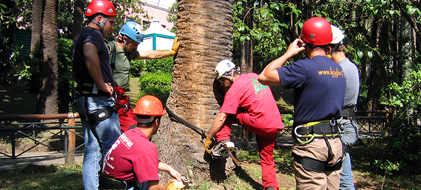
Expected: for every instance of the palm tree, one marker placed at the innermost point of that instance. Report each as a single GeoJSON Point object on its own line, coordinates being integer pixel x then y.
{"type": "Point", "coordinates": [205, 31]}
{"type": "Point", "coordinates": [36, 26]}
{"type": "Point", "coordinates": [77, 17]}
{"type": "Point", "coordinates": [45, 32]}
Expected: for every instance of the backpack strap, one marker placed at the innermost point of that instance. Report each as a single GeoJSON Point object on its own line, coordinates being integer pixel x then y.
{"type": "Point", "coordinates": [112, 51]}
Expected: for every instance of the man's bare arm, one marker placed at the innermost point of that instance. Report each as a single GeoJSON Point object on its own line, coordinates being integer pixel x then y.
{"type": "Point", "coordinates": [269, 75]}
{"type": "Point", "coordinates": [92, 64]}
{"type": "Point", "coordinates": [217, 123]}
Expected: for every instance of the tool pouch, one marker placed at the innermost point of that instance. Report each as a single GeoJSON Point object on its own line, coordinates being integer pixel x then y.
{"type": "Point", "coordinates": [101, 114]}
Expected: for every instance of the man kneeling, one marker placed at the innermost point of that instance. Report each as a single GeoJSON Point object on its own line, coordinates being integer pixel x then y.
{"type": "Point", "coordinates": [133, 159]}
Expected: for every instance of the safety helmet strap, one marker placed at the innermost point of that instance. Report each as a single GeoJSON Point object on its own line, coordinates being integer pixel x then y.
{"type": "Point", "coordinates": [102, 24]}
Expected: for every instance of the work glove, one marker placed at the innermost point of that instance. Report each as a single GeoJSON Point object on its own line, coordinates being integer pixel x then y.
{"type": "Point", "coordinates": [175, 46]}
{"type": "Point", "coordinates": [209, 144]}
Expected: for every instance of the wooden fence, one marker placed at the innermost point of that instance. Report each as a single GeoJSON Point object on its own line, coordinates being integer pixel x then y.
{"type": "Point", "coordinates": [13, 125]}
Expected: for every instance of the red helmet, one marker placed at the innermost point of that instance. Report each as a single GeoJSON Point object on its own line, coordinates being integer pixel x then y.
{"type": "Point", "coordinates": [100, 6]}
{"type": "Point", "coordinates": [150, 106]}
{"type": "Point", "coordinates": [317, 31]}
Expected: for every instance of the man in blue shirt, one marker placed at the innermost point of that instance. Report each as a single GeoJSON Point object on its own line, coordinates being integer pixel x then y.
{"type": "Point", "coordinates": [319, 88]}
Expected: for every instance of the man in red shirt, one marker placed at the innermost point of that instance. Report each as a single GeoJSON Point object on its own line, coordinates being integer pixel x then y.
{"type": "Point", "coordinates": [251, 105]}
{"type": "Point", "coordinates": [133, 159]}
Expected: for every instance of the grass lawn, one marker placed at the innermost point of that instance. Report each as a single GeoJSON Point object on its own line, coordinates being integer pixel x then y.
{"type": "Point", "coordinates": [247, 177]}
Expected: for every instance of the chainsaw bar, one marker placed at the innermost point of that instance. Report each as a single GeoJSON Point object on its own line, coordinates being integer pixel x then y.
{"type": "Point", "coordinates": [198, 130]}
{"type": "Point", "coordinates": [231, 155]}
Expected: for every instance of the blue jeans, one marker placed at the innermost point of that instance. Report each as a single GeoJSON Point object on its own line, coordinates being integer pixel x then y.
{"type": "Point", "coordinates": [349, 136]}
{"type": "Point", "coordinates": [99, 141]}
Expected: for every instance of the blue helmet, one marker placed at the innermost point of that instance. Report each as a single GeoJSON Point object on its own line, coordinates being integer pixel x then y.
{"type": "Point", "coordinates": [133, 30]}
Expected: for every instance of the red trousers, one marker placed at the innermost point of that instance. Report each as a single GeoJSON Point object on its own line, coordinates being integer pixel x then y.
{"type": "Point", "coordinates": [266, 140]}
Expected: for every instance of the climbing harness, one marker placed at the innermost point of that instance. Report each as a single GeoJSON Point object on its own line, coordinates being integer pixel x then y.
{"type": "Point", "coordinates": [318, 129]}
{"type": "Point", "coordinates": [121, 100]}
{"type": "Point", "coordinates": [349, 112]}
{"type": "Point", "coordinates": [311, 164]}
{"type": "Point", "coordinates": [306, 133]}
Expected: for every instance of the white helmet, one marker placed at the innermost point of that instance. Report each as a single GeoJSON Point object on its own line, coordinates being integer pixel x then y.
{"type": "Point", "coordinates": [338, 35]}
{"type": "Point", "coordinates": [224, 69]}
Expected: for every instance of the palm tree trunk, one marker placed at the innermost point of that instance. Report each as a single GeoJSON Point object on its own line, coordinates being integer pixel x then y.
{"type": "Point", "coordinates": [47, 95]}
{"type": "Point", "coordinates": [36, 26]}
{"type": "Point", "coordinates": [77, 17]}
{"type": "Point", "coordinates": [205, 31]}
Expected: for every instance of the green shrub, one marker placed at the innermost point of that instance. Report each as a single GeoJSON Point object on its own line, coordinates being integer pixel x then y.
{"type": "Point", "coordinates": [139, 67]}
{"type": "Point", "coordinates": [65, 79]}
{"type": "Point", "coordinates": [157, 84]}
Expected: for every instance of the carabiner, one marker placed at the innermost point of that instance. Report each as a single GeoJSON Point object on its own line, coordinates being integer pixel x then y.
{"type": "Point", "coordinates": [295, 130]}
{"type": "Point", "coordinates": [307, 141]}
{"type": "Point", "coordinates": [333, 122]}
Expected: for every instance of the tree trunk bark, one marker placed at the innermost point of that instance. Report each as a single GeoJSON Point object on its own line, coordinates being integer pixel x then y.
{"type": "Point", "coordinates": [36, 26]}
{"type": "Point", "coordinates": [47, 95]}
{"type": "Point", "coordinates": [205, 31]}
{"type": "Point", "coordinates": [247, 45]}
{"type": "Point", "coordinates": [77, 18]}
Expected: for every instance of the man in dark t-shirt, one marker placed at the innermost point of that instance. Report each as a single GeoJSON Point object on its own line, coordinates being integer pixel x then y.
{"type": "Point", "coordinates": [319, 88]}
{"type": "Point", "coordinates": [93, 97]}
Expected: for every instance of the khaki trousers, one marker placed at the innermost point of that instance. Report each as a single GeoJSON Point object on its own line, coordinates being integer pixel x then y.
{"type": "Point", "coordinates": [318, 150]}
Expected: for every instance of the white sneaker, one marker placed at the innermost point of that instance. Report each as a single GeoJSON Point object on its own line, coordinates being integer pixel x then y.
{"type": "Point", "coordinates": [219, 150]}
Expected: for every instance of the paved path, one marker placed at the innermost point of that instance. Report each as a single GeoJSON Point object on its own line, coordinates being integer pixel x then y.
{"type": "Point", "coordinates": [35, 158]}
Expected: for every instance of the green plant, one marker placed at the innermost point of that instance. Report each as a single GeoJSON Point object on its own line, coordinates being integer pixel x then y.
{"type": "Point", "coordinates": [387, 166]}
{"type": "Point", "coordinates": [139, 67]}
{"type": "Point", "coordinates": [65, 79]}
{"type": "Point", "coordinates": [157, 84]}
{"type": "Point", "coordinates": [288, 120]}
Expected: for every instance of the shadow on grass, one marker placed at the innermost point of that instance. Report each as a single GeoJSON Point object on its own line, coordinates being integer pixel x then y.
{"type": "Point", "coordinates": [12, 96]}
{"type": "Point", "coordinates": [247, 178]}
{"type": "Point", "coordinates": [34, 177]}
{"type": "Point", "coordinates": [364, 154]}
{"type": "Point", "coordinates": [218, 171]}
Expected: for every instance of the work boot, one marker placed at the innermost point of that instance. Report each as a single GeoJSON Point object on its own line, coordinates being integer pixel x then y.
{"type": "Point", "coordinates": [219, 151]}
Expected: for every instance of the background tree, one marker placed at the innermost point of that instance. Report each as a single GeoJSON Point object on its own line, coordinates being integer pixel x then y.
{"type": "Point", "coordinates": [78, 12]}
{"type": "Point", "coordinates": [382, 39]}
{"type": "Point", "coordinates": [243, 24]}
{"type": "Point", "coordinates": [45, 39]}
{"type": "Point", "coordinates": [172, 16]}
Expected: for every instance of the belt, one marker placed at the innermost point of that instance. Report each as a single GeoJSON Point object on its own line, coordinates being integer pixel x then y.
{"type": "Point", "coordinates": [321, 129]}
{"type": "Point", "coordinates": [85, 89]}
{"type": "Point", "coordinates": [316, 130]}
{"type": "Point", "coordinates": [100, 94]}
{"type": "Point", "coordinates": [109, 183]}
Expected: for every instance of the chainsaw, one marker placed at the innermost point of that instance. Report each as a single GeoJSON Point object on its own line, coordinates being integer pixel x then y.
{"type": "Point", "coordinates": [198, 130]}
